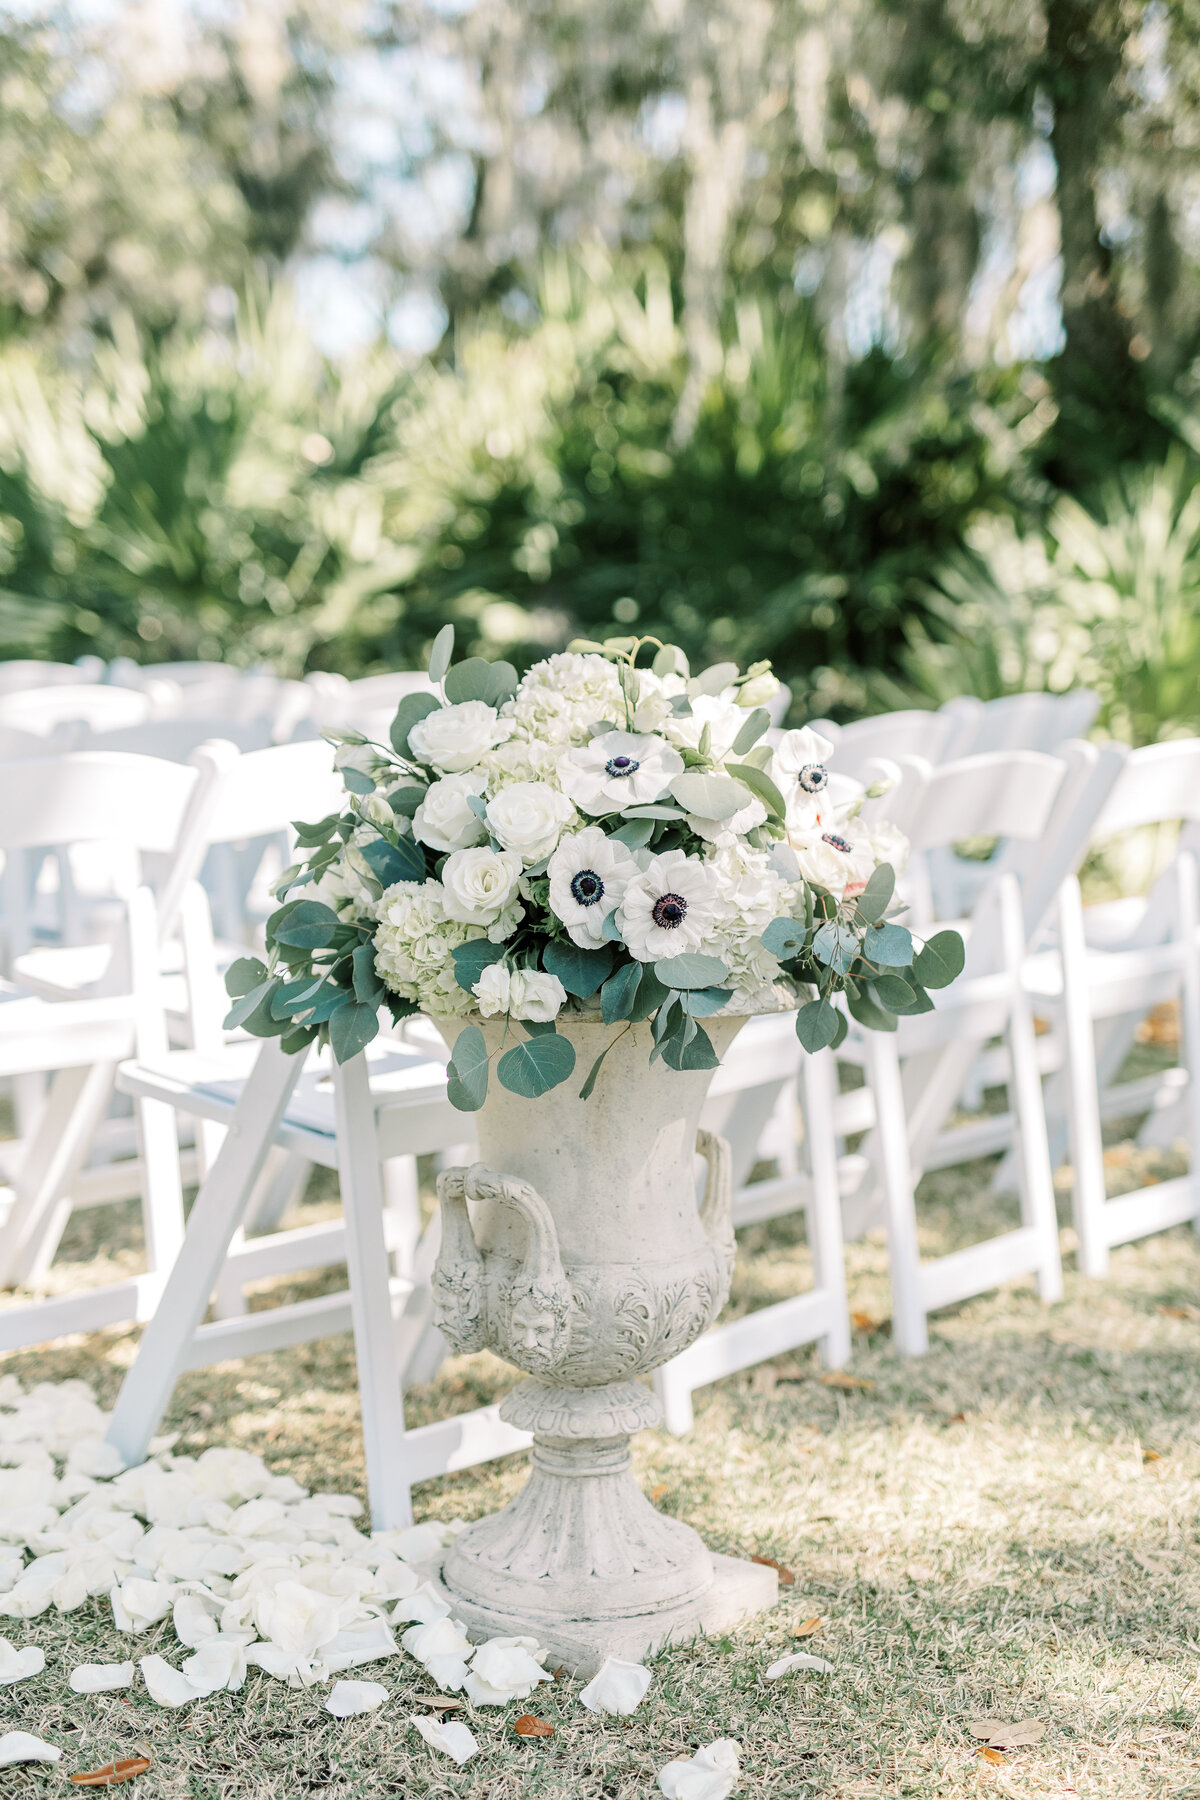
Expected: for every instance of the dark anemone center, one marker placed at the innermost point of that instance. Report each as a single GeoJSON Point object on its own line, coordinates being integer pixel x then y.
{"type": "Point", "coordinates": [587, 887]}
{"type": "Point", "coordinates": [839, 843]}
{"type": "Point", "coordinates": [621, 766]}
{"type": "Point", "coordinates": [813, 777]}
{"type": "Point", "coordinates": [669, 911]}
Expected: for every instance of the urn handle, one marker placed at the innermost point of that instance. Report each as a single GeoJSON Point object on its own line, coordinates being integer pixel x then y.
{"type": "Point", "coordinates": [535, 1306]}
{"type": "Point", "coordinates": [459, 1275]}
{"type": "Point", "coordinates": [716, 1208]}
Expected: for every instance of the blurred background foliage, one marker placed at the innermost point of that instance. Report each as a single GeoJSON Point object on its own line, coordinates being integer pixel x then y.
{"type": "Point", "coordinates": [862, 336]}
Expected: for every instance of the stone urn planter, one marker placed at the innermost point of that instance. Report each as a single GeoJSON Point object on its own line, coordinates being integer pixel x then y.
{"type": "Point", "coordinates": [575, 1249]}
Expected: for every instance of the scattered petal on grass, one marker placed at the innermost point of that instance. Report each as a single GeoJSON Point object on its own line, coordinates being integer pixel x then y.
{"type": "Point", "coordinates": [113, 1773]}
{"type": "Point", "coordinates": [219, 1663]}
{"type": "Point", "coordinates": [808, 1627]}
{"type": "Point", "coordinates": [348, 1698]}
{"type": "Point", "coordinates": [504, 1669]}
{"type": "Point", "coordinates": [16, 1665]}
{"type": "Point", "coordinates": [799, 1659]}
{"type": "Point", "coordinates": [450, 1736]}
{"type": "Point", "coordinates": [23, 1747]}
{"type": "Point", "coordinates": [529, 1725]}
{"type": "Point", "coordinates": [100, 1678]}
{"type": "Point", "coordinates": [786, 1578]}
{"type": "Point", "coordinates": [711, 1774]}
{"type": "Point", "coordinates": [442, 1648]}
{"type": "Point", "coordinates": [618, 1687]}
{"type": "Point", "coordinates": [167, 1686]}
{"type": "Point", "coordinates": [422, 1606]}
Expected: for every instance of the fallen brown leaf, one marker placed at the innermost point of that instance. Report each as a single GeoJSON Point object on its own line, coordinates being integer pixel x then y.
{"type": "Point", "coordinates": [986, 1728]}
{"type": "Point", "coordinates": [1180, 1312]}
{"type": "Point", "coordinates": [838, 1378]}
{"type": "Point", "coordinates": [865, 1321]}
{"type": "Point", "coordinates": [560, 1674]}
{"type": "Point", "coordinates": [529, 1725]}
{"type": "Point", "coordinates": [989, 1755]}
{"type": "Point", "coordinates": [113, 1773]}
{"type": "Point", "coordinates": [808, 1627]}
{"type": "Point", "coordinates": [1149, 1456]}
{"type": "Point", "coordinates": [956, 1419]}
{"type": "Point", "coordinates": [1001, 1736]}
{"type": "Point", "coordinates": [437, 1702]}
{"type": "Point", "coordinates": [656, 1493]}
{"type": "Point", "coordinates": [786, 1578]}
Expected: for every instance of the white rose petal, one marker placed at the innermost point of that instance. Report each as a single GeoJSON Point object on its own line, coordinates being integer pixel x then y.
{"type": "Point", "coordinates": [444, 820]}
{"type": "Point", "coordinates": [450, 1736]}
{"type": "Point", "coordinates": [16, 1665]}
{"type": "Point", "coordinates": [504, 1669]}
{"type": "Point", "coordinates": [799, 1659]}
{"type": "Point", "coordinates": [351, 1649]}
{"type": "Point", "coordinates": [423, 1605]}
{"type": "Point", "coordinates": [100, 1678]}
{"type": "Point", "coordinates": [711, 1774]}
{"type": "Point", "coordinates": [167, 1686]}
{"type": "Point", "coordinates": [297, 1618]}
{"type": "Point", "coordinates": [529, 818]}
{"type": "Point", "coordinates": [194, 1619]}
{"type": "Point", "coordinates": [453, 738]}
{"type": "Point", "coordinates": [416, 1543]}
{"type": "Point", "coordinates": [23, 1747]}
{"type": "Point", "coordinates": [346, 1699]}
{"type": "Point", "coordinates": [443, 1648]}
{"type": "Point", "coordinates": [618, 1687]}
{"type": "Point", "coordinates": [219, 1663]}
{"type": "Point", "coordinates": [137, 1604]}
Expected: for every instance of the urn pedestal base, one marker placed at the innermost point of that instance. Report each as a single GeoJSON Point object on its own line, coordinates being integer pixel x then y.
{"type": "Point", "coordinates": [581, 1560]}
{"type": "Point", "coordinates": [738, 1592]}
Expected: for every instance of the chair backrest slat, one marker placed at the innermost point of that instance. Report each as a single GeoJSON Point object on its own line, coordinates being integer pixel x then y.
{"type": "Point", "coordinates": [1158, 783]}
{"type": "Point", "coordinates": [995, 795]}
{"type": "Point", "coordinates": [44, 710]}
{"type": "Point", "coordinates": [95, 796]}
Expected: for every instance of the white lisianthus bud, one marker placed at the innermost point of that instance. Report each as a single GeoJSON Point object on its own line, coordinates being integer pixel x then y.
{"type": "Point", "coordinates": [760, 690]}
{"type": "Point", "coordinates": [521, 993]}
{"type": "Point", "coordinates": [376, 808]}
{"type": "Point", "coordinates": [359, 756]}
{"type": "Point", "coordinates": [479, 884]}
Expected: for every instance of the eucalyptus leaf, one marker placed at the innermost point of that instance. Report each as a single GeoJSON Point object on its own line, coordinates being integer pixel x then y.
{"type": "Point", "coordinates": [700, 1003]}
{"type": "Point", "coordinates": [410, 711]}
{"type": "Point", "coordinates": [404, 861]}
{"type": "Point", "coordinates": [619, 992]}
{"type": "Point", "coordinates": [691, 970]}
{"type": "Point", "coordinates": [835, 945]}
{"type": "Point", "coordinates": [653, 811]}
{"type": "Point", "coordinates": [470, 960]}
{"type": "Point", "coordinates": [761, 786]}
{"type": "Point", "coordinates": [635, 833]}
{"type": "Point", "coordinates": [351, 1029]}
{"type": "Point", "coordinates": [467, 1071]}
{"type": "Point", "coordinates": [368, 988]}
{"type": "Point", "coordinates": [439, 656]}
{"type": "Point", "coordinates": [580, 971]}
{"type": "Point", "coordinates": [478, 679]}
{"type": "Point", "coordinates": [246, 973]}
{"type": "Point", "coordinates": [531, 1069]}
{"type": "Point", "coordinates": [817, 1025]}
{"type": "Point", "coordinates": [247, 1004]}
{"type": "Point", "coordinates": [708, 796]}
{"type": "Point", "coordinates": [940, 961]}
{"type": "Point", "coordinates": [585, 1092]}
{"type": "Point", "coordinates": [784, 938]}
{"type": "Point", "coordinates": [404, 801]}
{"type": "Point", "coordinates": [864, 1010]}
{"type": "Point", "coordinates": [713, 679]}
{"type": "Point", "coordinates": [876, 897]}
{"type": "Point", "coordinates": [890, 946]}
{"type": "Point", "coordinates": [650, 995]}
{"type": "Point", "coordinates": [757, 721]}
{"type": "Point", "coordinates": [309, 925]}
{"type": "Point", "coordinates": [694, 1052]}
{"type": "Point", "coordinates": [309, 836]}
{"type": "Point", "coordinates": [357, 782]}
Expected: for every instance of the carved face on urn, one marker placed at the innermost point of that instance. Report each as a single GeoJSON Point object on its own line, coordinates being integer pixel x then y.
{"type": "Point", "coordinates": [535, 1328]}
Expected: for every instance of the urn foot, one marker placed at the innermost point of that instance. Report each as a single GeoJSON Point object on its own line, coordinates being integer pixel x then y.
{"type": "Point", "coordinates": [581, 1541]}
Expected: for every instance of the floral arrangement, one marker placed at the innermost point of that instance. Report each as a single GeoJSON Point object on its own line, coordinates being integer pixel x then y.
{"type": "Point", "coordinates": [594, 838]}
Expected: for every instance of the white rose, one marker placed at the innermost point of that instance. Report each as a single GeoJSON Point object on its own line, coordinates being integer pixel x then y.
{"type": "Point", "coordinates": [479, 885]}
{"type": "Point", "coordinates": [521, 993]}
{"type": "Point", "coordinates": [444, 819]}
{"type": "Point", "coordinates": [455, 737]}
{"type": "Point", "coordinates": [529, 817]}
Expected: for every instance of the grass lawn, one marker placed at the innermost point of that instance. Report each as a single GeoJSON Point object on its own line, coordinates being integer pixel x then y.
{"type": "Point", "coordinates": [1006, 1528]}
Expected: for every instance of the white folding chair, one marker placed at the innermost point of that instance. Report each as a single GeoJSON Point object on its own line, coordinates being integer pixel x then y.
{"type": "Point", "coordinates": [758, 1080]}
{"type": "Point", "coordinates": [48, 710]}
{"type": "Point", "coordinates": [1115, 961]}
{"type": "Point", "coordinates": [857, 747]}
{"type": "Point", "coordinates": [388, 1104]}
{"type": "Point", "coordinates": [142, 806]}
{"type": "Point", "coordinates": [17, 674]}
{"type": "Point", "coordinates": [1045, 807]}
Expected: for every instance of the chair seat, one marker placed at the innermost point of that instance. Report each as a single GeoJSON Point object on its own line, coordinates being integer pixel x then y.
{"type": "Point", "coordinates": [408, 1089]}
{"type": "Point", "coordinates": [37, 1034]}
{"type": "Point", "coordinates": [74, 971]}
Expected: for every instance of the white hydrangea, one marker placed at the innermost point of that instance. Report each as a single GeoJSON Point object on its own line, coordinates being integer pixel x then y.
{"type": "Point", "coordinates": [749, 895]}
{"type": "Point", "coordinates": [563, 695]}
{"type": "Point", "coordinates": [521, 759]}
{"type": "Point", "coordinates": [414, 945]}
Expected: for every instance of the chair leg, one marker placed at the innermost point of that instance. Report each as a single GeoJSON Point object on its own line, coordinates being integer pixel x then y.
{"type": "Point", "coordinates": [910, 1333]}
{"type": "Point", "coordinates": [1083, 1098]}
{"type": "Point", "coordinates": [1189, 931]}
{"type": "Point", "coordinates": [219, 1209]}
{"type": "Point", "coordinates": [73, 1110]}
{"type": "Point", "coordinates": [1037, 1177]}
{"type": "Point", "coordinates": [376, 1347]}
{"type": "Point", "coordinates": [819, 1081]}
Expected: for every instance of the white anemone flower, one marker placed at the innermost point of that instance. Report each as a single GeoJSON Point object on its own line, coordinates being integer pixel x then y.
{"type": "Point", "coordinates": [841, 861]}
{"type": "Point", "coordinates": [618, 769]}
{"type": "Point", "coordinates": [669, 907]}
{"type": "Point", "coordinates": [589, 873]}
